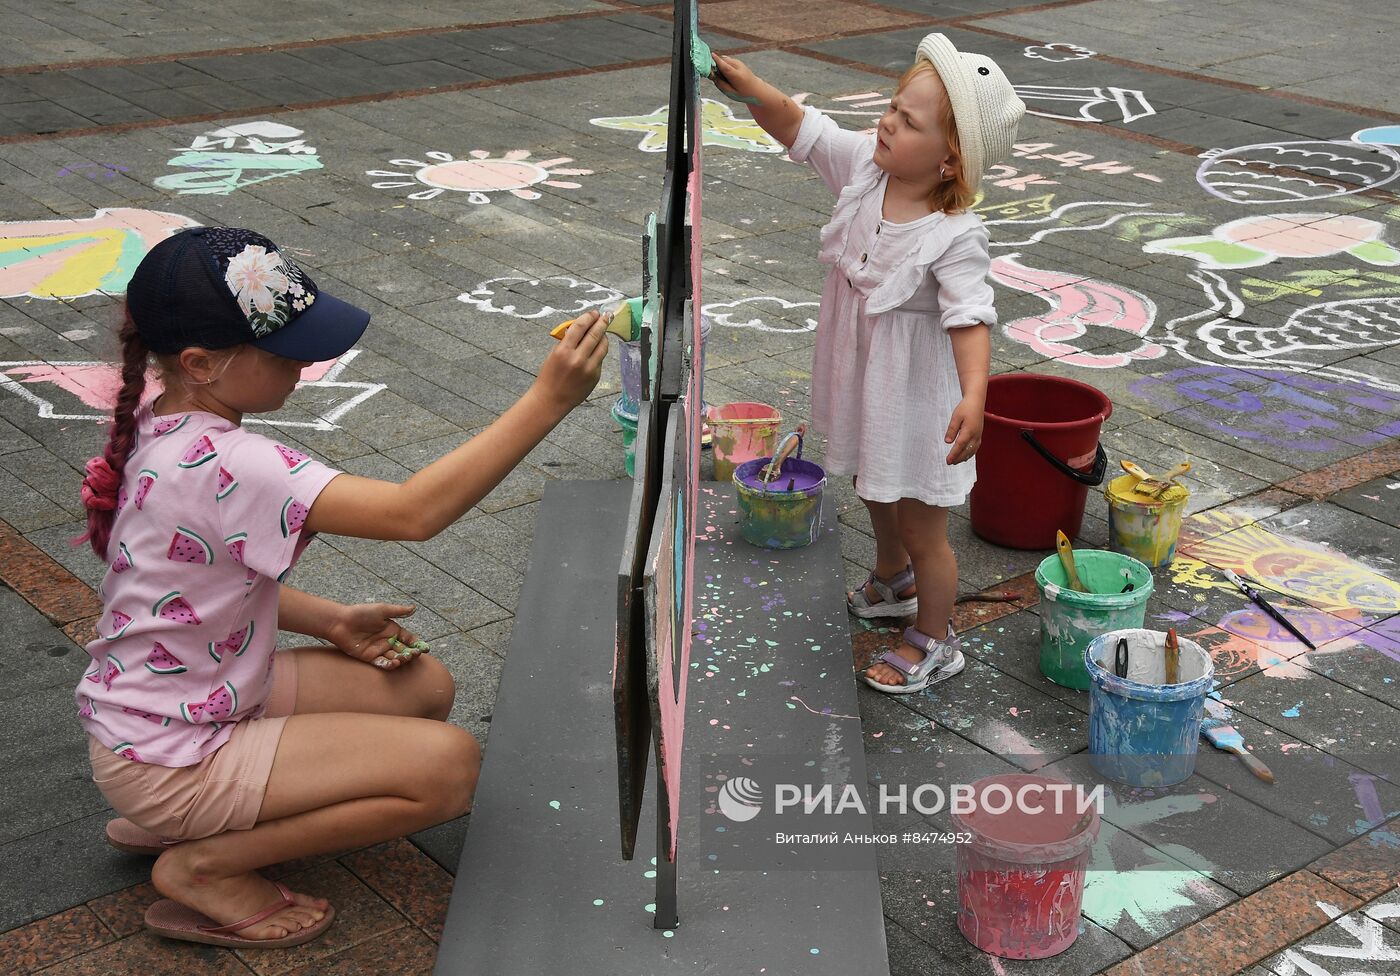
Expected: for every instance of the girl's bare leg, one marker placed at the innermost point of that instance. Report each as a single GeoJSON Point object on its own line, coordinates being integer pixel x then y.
{"type": "Point", "coordinates": [343, 778]}
{"type": "Point", "coordinates": [923, 532]}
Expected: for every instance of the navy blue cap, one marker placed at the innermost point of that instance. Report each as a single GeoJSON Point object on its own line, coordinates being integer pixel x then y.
{"type": "Point", "coordinates": [217, 287]}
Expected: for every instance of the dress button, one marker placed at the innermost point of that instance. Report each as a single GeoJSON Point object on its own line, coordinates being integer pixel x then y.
{"type": "Point", "coordinates": [878, 228]}
{"type": "Point", "coordinates": [863, 258]}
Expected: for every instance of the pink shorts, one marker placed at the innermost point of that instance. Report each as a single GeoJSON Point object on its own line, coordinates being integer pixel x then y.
{"type": "Point", "coordinates": [224, 791]}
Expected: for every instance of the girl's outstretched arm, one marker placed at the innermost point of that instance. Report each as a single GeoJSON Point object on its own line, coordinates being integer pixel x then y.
{"type": "Point", "coordinates": [778, 115]}
{"type": "Point", "coordinates": [445, 490]}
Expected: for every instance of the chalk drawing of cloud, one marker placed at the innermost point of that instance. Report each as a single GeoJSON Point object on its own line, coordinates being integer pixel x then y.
{"type": "Point", "coordinates": [523, 297]}
{"type": "Point", "coordinates": [739, 314]}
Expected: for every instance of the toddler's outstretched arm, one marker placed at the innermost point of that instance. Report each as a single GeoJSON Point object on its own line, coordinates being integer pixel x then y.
{"type": "Point", "coordinates": [445, 490]}
{"type": "Point", "coordinates": [777, 114]}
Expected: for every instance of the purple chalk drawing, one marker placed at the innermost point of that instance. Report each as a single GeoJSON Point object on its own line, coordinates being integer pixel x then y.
{"type": "Point", "coordinates": [1298, 413]}
{"type": "Point", "coordinates": [93, 171]}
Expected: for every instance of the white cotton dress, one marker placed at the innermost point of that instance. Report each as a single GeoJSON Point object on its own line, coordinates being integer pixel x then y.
{"type": "Point", "coordinates": [884, 381]}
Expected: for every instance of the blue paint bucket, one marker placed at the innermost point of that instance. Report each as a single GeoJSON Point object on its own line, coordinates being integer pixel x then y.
{"type": "Point", "coordinates": [1143, 731]}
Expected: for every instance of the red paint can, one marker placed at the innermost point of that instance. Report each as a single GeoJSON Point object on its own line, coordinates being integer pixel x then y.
{"type": "Point", "coordinates": [1021, 874]}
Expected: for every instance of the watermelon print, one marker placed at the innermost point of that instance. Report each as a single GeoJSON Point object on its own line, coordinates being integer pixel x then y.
{"type": "Point", "coordinates": [218, 707]}
{"type": "Point", "coordinates": [237, 642]}
{"type": "Point", "coordinates": [120, 622]}
{"type": "Point", "coordinates": [121, 499]}
{"type": "Point", "coordinates": [94, 673]}
{"type": "Point", "coordinates": [293, 517]}
{"type": "Point", "coordinates": [114, 668]}
{"type": "Point", "coordinates": [235, 546]}
{"type": "Point", "coordinates": [227, 483]}
{"type": "Point", "coordinates": [200, 451]}
{"type": "Point", "coordinates": [161, 661]}
{"type": "Point", "coordinates": [169, 425]}
{"type": "Point", "coordinates": [294, 460]}
{"type": "Point", "coordinates": [162, 720]}
{"type": "Point", "coordinates": [87, 710]}
{"type": "Point", "coordinates": [127, 751]}
{"type": "Point", "coordinates": [175, 608]}
{"type": "Point", "coordinates": [252, 575]}
{"type": "Point", "coordinates": [123, 562]}
{"type": "Point", "coordinates": [145, 478]}
{"type": "Point", "coordinates": [188, 547]}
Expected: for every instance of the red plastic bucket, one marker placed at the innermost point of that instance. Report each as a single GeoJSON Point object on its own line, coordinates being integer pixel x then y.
{"type": "Point", "coordinates": [1039, 457]}
{"type": "Point", "coordinates": [1021, 876]}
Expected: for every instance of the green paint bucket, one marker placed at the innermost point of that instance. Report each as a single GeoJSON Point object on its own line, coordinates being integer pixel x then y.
{"type": "Point", "coordinates": [1069, 620]}
{"type": "Point", "coordinates": [628, 422]}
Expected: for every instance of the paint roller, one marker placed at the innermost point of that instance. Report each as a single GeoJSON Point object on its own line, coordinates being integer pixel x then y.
{"type": "Point", "coordinates": [625, 322]}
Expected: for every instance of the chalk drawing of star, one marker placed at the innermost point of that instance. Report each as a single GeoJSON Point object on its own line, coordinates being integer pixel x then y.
{"type": "Point", "coordinates": [720, 128]}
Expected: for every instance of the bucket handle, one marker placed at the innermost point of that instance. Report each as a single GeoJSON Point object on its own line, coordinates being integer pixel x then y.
{"type": "Point", "coordinates": [1093, 478]}
{"type": "Point", "coordinates": [784, 449]}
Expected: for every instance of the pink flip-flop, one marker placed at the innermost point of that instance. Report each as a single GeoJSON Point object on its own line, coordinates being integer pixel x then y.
{"type": "Point", "coordinates": [176, 921]}
{"type": "Point", "coordinates": [125, 836]}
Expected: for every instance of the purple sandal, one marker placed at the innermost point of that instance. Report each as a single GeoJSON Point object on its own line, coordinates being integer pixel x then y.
{"type": "Point", "coordinates": [942, 659]}
{"type": "Point", "coordinates": [890, 603]}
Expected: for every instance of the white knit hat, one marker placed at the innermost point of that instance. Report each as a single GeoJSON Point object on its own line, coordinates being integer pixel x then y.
{"type": "Point", "coordinates": [985, 106]}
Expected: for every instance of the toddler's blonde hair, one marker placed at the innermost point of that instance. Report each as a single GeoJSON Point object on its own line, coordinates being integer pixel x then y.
{"type": "Point", "coordinates": [954, 194]}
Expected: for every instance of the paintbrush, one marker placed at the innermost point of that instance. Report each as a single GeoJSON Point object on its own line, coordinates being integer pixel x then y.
{"type": "Point", "coordinates": [1066, 552]}
{"type": "Point", "coordinates": [1155, 487]}
{"type": "Point", "coordinates": [1173, 655]}
{"type": "Point", "coordinates": [1258, 600]}
{"type": "Point", "coordinates": [625, 322]}
{"type": "Point", "coordinates": [1227, 739]}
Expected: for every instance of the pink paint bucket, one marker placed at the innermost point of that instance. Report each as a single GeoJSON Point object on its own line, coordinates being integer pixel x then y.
{"type": "Point", "coordinates": [1021, 873]}
{"type": "Point", "coordinates": [742, 432]}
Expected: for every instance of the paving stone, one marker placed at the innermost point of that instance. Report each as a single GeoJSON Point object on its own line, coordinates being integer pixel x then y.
{"type": "Point", "coordinates": [1327, 715]}
{"type": "Point", "coordinates": [1237, 843]}
{"type": "Point", "coordinates": [1355, 936]}
{"type": "Point", "coordinates": [1367, 661]}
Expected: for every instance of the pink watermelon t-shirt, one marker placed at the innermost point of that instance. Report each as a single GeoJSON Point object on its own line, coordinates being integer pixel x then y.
{"type": "Point", "coordinates": [209, 520]}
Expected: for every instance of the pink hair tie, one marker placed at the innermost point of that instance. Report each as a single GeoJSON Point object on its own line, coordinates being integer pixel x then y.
{"type": "Point", "coordinates": [99, 491]}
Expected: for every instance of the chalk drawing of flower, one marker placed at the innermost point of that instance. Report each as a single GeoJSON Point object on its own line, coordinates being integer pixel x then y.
{"type": "Point", "coordinates": [1059, 51]}
{"type": "Point", "coordinates": [479, 175]}
{"type": "Point", "coordinates": [257, 278]}
{"type": "Point", "coordinates": [536, 298]}
{"type": "Point", "coordinates": [1254, 241]}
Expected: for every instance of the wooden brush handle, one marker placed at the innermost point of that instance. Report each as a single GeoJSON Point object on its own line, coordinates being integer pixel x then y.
{"type": "Point", "coordinates": [1255, 766]}
{"type": "Point", "coordinates": [1173, 655]}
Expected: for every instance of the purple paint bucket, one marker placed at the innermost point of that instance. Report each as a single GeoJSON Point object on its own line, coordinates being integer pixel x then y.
{"type": "Point", "coordinates": [785, 513]}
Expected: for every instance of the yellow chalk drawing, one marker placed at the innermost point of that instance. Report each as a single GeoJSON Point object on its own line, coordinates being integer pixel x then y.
{"type": "Point", "coordinates": [720, 126]}
{"type": "Point", "coordinates": [63, 259]}
{"type": "Point", "coordinates": [1311, 572]}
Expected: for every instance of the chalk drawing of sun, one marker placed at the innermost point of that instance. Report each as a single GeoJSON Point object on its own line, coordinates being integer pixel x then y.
{"type": "Point", "coordinates": [479, 175]}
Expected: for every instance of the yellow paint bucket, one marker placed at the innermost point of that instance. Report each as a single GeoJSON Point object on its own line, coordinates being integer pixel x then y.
{"type": "Point", "coordinates": [1141, 526]}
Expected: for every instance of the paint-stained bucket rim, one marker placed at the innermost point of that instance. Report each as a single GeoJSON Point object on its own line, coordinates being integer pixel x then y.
{"type": "Point", "coordinates": [714, 419]}
{"type": "Point", "coordinates": [749, 468]}
{"type": "Point", "coordinates": [1060, 593]}
{"type": "Point", "coordinates": [1109, 682]}
{"type": "Point", "coordinates": [1130, 499]}
{"type": "Point", "coordinates": [622, 415]}
{"type": "Point", "coordinates": [1019, 853]}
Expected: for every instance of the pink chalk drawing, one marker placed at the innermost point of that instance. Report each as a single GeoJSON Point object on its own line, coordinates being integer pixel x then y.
{"type": "Point", "coordinates": [95, 385]}
{"type": "Point", "coordinates": [75, 257]}
{"type": "Point", "coordinates": [479, 175]}
{"type": "Point", "coordinates": [1077, 305]}
{"type": "Point", "coordinates": [1254, 241]}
